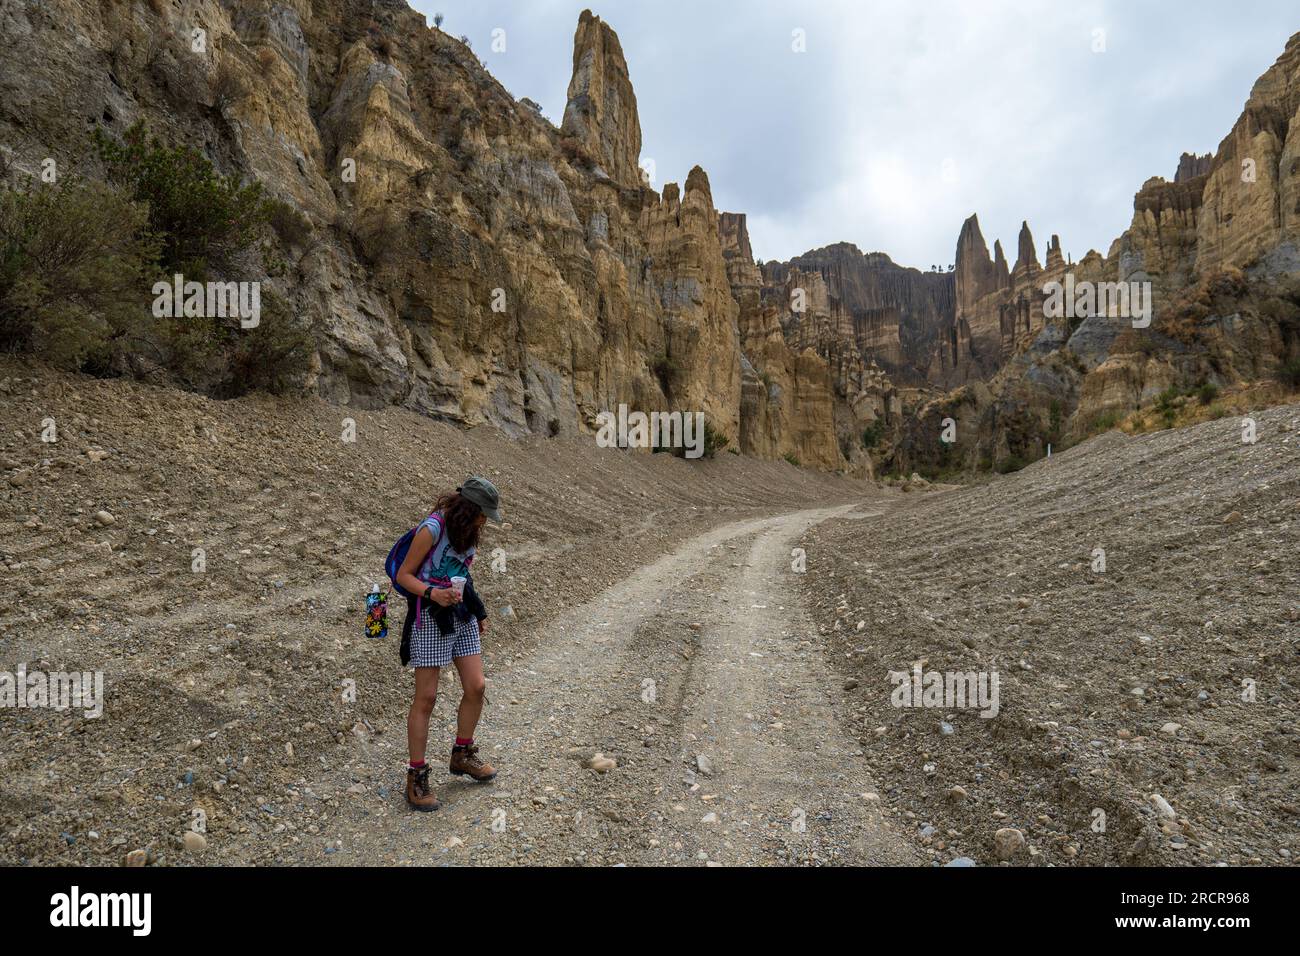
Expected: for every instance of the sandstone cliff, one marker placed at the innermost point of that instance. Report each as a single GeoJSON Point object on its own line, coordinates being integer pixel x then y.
{"type": "Point", "coordinates": [1251, 200]}
{"type": "Point", "coordinates": [601, 113]}
{"type": "Point", "coordinates": [1218, 246]}
{"type": "Point", "coordinates": [787, 400]}
{"type": "Point", "coordinates": [894, 315]}
{"type": "Point", "coordinates": [469, 259]}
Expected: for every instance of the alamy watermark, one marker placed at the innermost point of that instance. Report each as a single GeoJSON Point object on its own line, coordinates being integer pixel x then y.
{"type": "Point", "coordinates": [951, 690]}
{"type": "Point", "coordinates": [652, 430]}
{"type": "Point", "coordinates": [75, 909]}
{"type": "Point", "coordinates": [212, 300]}
{"type": "Point", "coordinates": [1086, 300]}
{"type": "Point", "coordinates": [58, 690]}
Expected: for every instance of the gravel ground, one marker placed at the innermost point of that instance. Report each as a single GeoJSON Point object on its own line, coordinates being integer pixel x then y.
{"type": "Point", "coordinates": [696, 675]}
{"type": "Point", "coordinates": [658, 618]}
{"type": "Point", "coordinates": [226, 689]}
{"type": "Point", "coordinates": [1125, 692]}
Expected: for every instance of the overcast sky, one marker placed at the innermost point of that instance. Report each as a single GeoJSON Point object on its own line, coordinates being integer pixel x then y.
{"type": "Point", "coordinates": [905, 116]}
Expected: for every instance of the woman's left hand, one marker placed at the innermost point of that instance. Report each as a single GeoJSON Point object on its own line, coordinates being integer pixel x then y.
{"type": "Point", "coordinates": [482, 626]}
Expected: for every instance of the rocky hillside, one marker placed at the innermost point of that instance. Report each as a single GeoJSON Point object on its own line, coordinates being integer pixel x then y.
{"type": "Point", "coordinates": [466, 258]}
{"type": "Point", "coordinates": [473, 261]}
{"type": "Point", "coordinates": [1220, 245]}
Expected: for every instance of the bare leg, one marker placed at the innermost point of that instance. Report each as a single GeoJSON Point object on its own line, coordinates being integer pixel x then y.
{"type": "Point", "coordinates": [417, 721]}
{"type": "Point", "coordinates": [470, 670]}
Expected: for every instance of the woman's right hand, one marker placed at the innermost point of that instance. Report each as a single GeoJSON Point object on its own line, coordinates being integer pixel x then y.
{"type": "Point", "coordinates": [445, 597]}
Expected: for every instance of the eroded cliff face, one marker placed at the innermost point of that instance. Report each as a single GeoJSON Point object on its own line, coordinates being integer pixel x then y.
{"type": "Point", "coordinates": [894, 315]}
{"type": "Point", "coordinates": [468, 258]}
{"type": "Point", "coordinates": [775, 379]}
{"type": "Point", "coordinates": [807, 392]}
{"type": "Point", "coordinates": [1217, 246]}
{"type": "Point", "coordinates": [1251, 200]}
{"type": "Point", "coordinates": [471, 260]}
{"type": "Point", "coordinates": [997, 308]}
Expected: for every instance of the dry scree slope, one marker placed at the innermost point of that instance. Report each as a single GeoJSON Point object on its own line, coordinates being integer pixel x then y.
{"type": "Point", "coordinates": [1116, 685]}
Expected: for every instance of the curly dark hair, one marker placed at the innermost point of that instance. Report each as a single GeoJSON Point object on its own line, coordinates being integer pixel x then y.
{"type": "Point", "coordinates": [464, 520]}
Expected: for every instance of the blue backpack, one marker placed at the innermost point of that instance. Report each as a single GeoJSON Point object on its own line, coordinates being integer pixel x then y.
{"type": "Point", "coordinates": [397, 554]}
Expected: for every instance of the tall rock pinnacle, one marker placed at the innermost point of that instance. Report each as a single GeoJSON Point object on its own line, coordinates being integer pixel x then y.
{"type": "Point", "coordinates": [697, 180]}
{"type": "Point", "coordinates": [601, 112]}
{"type": "Point", "coordinates": [1191, 165]}
{"type": "Point", "coordinates": [1027, 255]}
{"type": "Point", "coordinates": [1055, 258]}
{"type": "Point", "coordinates": [1000, 265]}
{"type": "Point", "coordinates": [976, 277]}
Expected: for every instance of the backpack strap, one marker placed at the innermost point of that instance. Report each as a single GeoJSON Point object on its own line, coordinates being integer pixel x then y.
{"type": "Point", "coordinates": [434, 558]}
{"type": "Point", "coordinates": [440, 545]}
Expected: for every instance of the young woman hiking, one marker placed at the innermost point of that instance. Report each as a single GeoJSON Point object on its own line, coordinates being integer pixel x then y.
{"type": "Point", "coordinates": [443, 626]}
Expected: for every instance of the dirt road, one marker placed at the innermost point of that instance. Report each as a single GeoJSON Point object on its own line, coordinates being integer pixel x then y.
{"type": "Point", "coordinates": [697, 674]}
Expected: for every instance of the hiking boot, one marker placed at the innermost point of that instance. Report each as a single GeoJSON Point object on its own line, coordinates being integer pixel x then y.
{"type": "Point", "coordinates": [418, 795]}
{"type": "Point", "coordinates": [464, 760]}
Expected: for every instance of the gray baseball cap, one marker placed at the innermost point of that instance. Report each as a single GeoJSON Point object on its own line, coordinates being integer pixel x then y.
{"type": "Point", "coordinates": [484, 494]}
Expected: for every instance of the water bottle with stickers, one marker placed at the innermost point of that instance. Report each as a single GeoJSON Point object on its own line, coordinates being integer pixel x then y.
{"type": "Point", "coordinates": [377, 613]}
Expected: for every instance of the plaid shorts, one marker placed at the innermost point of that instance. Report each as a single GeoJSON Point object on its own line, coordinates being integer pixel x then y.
{"type": "Point", "coordinates": [430, 648]}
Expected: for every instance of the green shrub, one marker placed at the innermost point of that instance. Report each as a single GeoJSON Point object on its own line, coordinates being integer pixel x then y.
{"type": "Point", "coordinates": [1105, 422]}
{"type": "Point", "coordinates": [1207, 392]}
{"type": "Point", "coordinates": [293, 228]}
{"type": "Point", "coordinates": [273, 356]}
{"type": "Point", "coordinates": [1146, 345]}
{"type": "Point", "coordinates": [204, 220]}
{"type": "Point", "coordinates": [791, 458]}
{"type": "Point", "coordinates": [1165, 400]}
{"type": "Point", "coordinates": [78, 262]}
{"type": "Point", "coordinates": [666, 369]}
{"type": "Point", "coordinates": [210, 225]}
{"type": "Point", "coordinates": [1290, 373]}
{"type": "Point", "coordinates": [75, 261]}
{"type": "Point", "coordinates": [1056, 415]}
{"type": "Point", "coordinates": [714, 441]}
{"type": "Point", "coordinates": [873, 433]}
